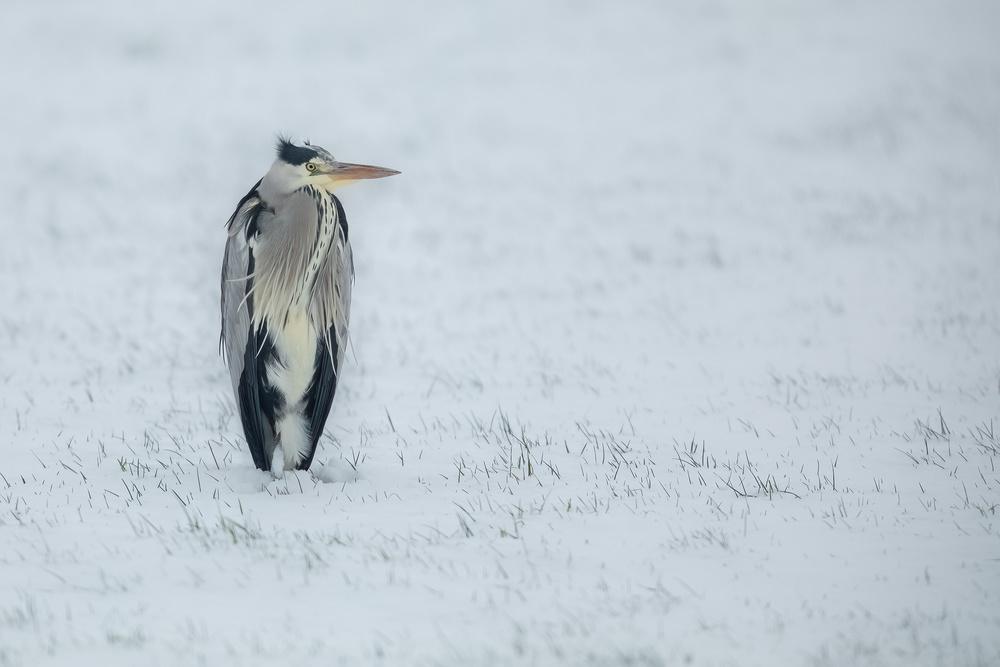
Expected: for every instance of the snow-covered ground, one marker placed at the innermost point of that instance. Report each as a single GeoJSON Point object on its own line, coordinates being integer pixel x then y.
{"type": "Point", "coordinates": [676, 342]}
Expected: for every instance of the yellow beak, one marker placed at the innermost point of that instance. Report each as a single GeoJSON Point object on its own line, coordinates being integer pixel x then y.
{"type": "Point", "coordinates": [345, 173]}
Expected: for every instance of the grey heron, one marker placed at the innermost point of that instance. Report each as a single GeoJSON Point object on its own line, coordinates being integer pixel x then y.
{"type": "Point", "coordinates": [286, 298]}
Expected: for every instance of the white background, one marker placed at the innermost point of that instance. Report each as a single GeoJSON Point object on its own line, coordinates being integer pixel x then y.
{"type": "Point", "coordinates": [676, 341]}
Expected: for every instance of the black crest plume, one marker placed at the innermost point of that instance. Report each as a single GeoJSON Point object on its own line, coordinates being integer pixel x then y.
{"type": "Point", "coordinates": [293, 154]}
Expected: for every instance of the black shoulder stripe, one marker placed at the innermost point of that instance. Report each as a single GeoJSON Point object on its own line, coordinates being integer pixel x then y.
{"type": "Point", "coordinates": [252, 223]}
{"type": "Point", "coordinates": [271, 402]}
{"type": "Point", "coordinates": [259, 403]}
{"type": "Point", "coordinates": [247, 197]}
{"type": "Point", "coordinates": [319, 398]}
{"type": "Point", "coordinates": [341, 216]}
{"type": "Point", "coordinates": [253, 424]}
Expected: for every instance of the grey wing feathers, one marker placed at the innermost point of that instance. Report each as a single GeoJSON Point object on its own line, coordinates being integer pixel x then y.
{"type": "Point", "coordinates": [235, 281]}
{"type": "Point", "coordinates": [261, 275]}
{"type": "Point", "coordinates": [345, 279]}
{"type": "Point", "coordinates": [333, 312]}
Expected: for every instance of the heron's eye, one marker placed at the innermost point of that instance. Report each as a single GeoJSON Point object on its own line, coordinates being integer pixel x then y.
{"type": "Point", "coordinates": [311, 166]}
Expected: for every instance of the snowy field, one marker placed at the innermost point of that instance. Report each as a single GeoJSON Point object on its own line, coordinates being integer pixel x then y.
{"type": "Point", "coordinates": [676, 342]}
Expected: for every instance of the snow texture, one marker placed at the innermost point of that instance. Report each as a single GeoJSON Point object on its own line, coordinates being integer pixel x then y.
{"type": "Point", "coordinates": [677, 341]}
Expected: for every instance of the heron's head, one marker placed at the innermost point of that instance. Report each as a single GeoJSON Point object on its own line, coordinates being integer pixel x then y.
{"type": "Point", "coordinates": [298, 166]}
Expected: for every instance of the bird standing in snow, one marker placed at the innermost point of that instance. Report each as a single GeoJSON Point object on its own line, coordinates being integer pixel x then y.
{"type": "Point", "coordinates": [286, 300]}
